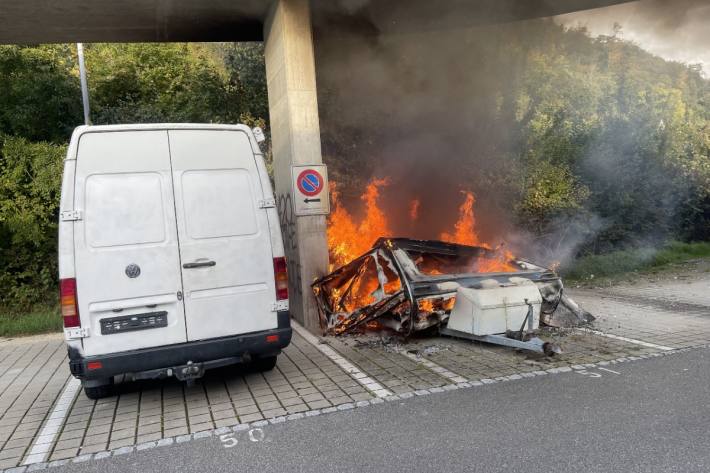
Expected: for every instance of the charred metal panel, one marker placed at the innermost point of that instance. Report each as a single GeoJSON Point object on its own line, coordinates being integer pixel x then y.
{"type": "Point", "coordinates": [410, 285]}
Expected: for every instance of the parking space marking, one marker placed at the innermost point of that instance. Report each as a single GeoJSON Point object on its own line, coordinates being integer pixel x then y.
{"type": "Point", "coordinates": [46, 438]}
{"type": "Point", "coordinates": [626, 339]}
{"type": "Point", "coordinates": [368, 383]}
{"type": "Point", "coordinates": [440, 370]}
{"type": "Point", "coordinates": [607, 369]}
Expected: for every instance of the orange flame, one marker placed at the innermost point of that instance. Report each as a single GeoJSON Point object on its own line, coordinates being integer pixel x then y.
{"type": "Point", "coordinates": [465, 234]}
{"type": "Point", "coordinates": [426, 305]}
{"type": "Point", "coordinates": [348, 239]}
{"type": "Point", "coordinates": [440, 304]}
{"type": "Point", "coordinates": [465, 228]}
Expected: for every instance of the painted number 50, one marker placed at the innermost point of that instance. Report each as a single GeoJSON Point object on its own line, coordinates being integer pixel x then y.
{"type": "Point", "coordinates": [228, 440]}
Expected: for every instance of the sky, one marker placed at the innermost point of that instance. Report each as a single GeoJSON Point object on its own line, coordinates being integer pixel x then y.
{"type": "Point", "coordinates": [677, 30]}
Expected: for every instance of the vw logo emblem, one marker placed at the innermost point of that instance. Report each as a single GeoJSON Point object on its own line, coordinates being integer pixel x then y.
{"type": "Point", "coordinates": [133, 270]}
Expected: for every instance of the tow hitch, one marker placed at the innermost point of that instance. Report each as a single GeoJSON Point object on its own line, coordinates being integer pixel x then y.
{"type": "Point", "coordinates": [190, 371]}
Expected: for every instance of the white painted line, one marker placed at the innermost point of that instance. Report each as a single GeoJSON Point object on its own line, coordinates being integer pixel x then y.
{"type": "Point", "coordinates": [626, 339]}
{"type": "Point", "coordinates": [607, 369]}
{"type": "Point", "coordinates": [368, 383]}
{"type": "Point", "coordinates": [40, 449]}
{"type": "Point", "coordinates": [440, 370]}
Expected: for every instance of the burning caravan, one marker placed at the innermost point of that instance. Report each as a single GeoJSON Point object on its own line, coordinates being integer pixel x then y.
{"type": "Point", "coordinates": [413, 285]}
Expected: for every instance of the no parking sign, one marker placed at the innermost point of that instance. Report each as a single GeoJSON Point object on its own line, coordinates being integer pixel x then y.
{"type": "Point", "coordinates": [310, 189]}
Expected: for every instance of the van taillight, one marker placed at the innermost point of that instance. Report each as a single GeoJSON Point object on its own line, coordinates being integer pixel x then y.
{"type": "Point", "coordinates": [68, 302]}
{"type": "Point", "coordinates": [281, 278]}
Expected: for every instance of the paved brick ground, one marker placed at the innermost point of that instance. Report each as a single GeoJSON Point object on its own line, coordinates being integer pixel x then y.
{"type": "Point", "coordinates": [626, 312]}
{"type": "Point", "coordinates": [33, 373]}
{"type": "Point", "coordinates": [669, 310]}
{"type": "Point", "coordinates": [683, 290]}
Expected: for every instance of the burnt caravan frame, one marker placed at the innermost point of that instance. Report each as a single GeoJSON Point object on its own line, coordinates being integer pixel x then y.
{"type": "Point", "coordinates": [403, 287]}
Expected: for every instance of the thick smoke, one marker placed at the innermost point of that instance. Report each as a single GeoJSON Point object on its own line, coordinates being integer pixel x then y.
{"type": "Point", "coordinates": [418, 109]}
{"type": "Point", "coordinates": [664, 16]}
{"type": "Point", "coordinates": [350, 7]}
{"type": "Point", "coordinates": [673, 29]}
{"type": "Point", "coordinates": [668, 16]}
{"type": "Point", "coordinates": [426, 110]}
{"type": "Point", "coordinates": [430, 110]}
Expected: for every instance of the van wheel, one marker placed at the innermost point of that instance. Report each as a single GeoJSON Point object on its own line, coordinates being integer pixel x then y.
{"type": "Point", "coordinates": [99, 391]}
{"type": "Point", "coordinates": [266, 363]}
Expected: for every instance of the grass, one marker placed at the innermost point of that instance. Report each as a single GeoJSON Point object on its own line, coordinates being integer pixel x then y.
{"type": "Point", "coordinates": [619, 263]}
{"type": "Point", "coordinates": [40, 320]}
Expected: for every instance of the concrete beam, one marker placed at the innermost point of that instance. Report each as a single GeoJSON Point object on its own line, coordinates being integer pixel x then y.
{"type": "Point", "coordinates": [60, 21]}
{"type": "Point", "coordinates": [295, 134]}
{"type": "Point", "coordinates": [386, 17]}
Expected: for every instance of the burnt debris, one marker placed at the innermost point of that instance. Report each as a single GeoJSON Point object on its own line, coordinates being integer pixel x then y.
{"type": "Point", "coordinates": [411, 285]}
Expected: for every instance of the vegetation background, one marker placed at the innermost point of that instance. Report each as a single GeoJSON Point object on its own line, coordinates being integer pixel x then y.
{"type": "Point", "coordinates": [574, 100]}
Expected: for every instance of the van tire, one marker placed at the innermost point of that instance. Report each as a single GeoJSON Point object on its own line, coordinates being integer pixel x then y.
{"type": "Point", "coordinates": [100, 391]}
{"type": "Point", "coordinates": [266, 363]}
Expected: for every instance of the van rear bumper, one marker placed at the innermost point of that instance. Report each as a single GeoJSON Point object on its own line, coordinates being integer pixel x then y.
{"type": "Point", "coordinates": [241, 347]}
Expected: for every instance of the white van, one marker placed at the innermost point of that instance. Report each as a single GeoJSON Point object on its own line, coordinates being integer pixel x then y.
{"type": "Point", "coordinates": [170, 253]}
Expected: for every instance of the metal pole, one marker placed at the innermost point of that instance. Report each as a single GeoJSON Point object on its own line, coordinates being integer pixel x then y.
{"type": "Point", "coordinates": [84, 86]}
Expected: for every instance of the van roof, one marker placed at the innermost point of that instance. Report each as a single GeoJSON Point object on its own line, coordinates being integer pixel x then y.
{"type": "Point", "coordinates": [84, 129]}
{"type": "Point", "coordinates": [159, 126]}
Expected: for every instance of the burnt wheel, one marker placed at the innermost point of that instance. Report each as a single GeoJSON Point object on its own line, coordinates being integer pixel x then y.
{"type": "Point", "coordinates": [266, 363]}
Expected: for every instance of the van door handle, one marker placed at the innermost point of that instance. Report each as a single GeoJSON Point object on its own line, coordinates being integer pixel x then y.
{"type": "Point", "coordinates": [200, 264]}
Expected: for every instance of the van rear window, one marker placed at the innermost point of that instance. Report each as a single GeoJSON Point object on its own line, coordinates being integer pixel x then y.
{"type": "Point", "coordinates": [124, 209]}
{"type": "Point", "coordinates": [218, 203]}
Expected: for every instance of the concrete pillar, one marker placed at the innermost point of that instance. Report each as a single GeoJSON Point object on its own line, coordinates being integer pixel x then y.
{"type": "Point", "coordinates": [295, 134]}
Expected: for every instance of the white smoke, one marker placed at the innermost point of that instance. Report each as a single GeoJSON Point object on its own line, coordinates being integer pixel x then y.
{"type": "Point", "coordinates": [677, 30]}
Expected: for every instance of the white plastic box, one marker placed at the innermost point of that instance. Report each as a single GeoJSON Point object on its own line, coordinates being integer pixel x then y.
{"type": "Point", "coordinates": [495, 307]}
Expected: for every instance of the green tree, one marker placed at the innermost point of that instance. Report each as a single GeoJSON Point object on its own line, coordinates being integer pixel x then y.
{"type": "Point", "coordinates": [149, 83]}
{"type": "Point", "coordinates": [40, 97]}
{"type": "Point", "coordinates": [246, 72]}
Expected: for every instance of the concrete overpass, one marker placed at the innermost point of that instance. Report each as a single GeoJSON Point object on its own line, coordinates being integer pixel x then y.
{"type": "Point", "coordinates": [52, 21]}
{"type": "Point", "coordinates": [288, 28]}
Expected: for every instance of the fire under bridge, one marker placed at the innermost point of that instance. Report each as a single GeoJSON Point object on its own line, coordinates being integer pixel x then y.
{"type": "Point", "coordinates": [291, 30]}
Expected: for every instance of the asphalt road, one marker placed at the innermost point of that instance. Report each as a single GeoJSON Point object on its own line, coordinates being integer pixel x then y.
{"type": "Point", "coordinates": [653, 416]}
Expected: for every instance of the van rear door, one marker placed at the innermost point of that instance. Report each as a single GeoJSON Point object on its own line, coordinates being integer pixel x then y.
{"type": "Point", "coordinates": [225, 244]}
{"type": "Point", "coordinates": [126, 246]}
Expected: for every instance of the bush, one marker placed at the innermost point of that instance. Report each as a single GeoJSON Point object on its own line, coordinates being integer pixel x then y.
{"type": "Point", "coordinates": [30, 177]}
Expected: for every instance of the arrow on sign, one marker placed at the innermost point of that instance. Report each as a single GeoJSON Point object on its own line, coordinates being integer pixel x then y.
{"type": "Point", "coordinates": [311, 200]}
